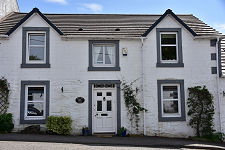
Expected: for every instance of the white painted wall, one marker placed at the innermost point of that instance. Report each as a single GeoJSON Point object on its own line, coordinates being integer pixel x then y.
{"type": "Point", "coordinates": [69, 63]}
{"type": "Point", "coordinates": [196, 71]}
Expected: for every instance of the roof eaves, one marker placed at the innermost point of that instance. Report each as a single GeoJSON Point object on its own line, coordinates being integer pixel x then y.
{"type": "Point", "coordinates": [169, 11]}
{"type": "Point", "coordinates": [35, 10]}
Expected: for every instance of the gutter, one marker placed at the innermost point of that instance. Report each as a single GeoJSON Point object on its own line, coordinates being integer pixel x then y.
{"type": "Point", "coordinates": [142, 50]}
{"type": "Point", "coordinates": [209, 37]}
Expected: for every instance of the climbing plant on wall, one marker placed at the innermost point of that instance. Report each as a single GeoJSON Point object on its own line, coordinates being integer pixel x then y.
{"type": "Point", "coordinates": [201, 110]}
{"type": "Point", "coordinates": [131, 102]}
{"type": "Point", "coordinates": [4, 95]}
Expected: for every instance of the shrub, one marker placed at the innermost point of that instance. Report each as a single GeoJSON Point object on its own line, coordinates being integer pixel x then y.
{"type": "Point", "coordinates": [201, 110]}
{"type": "Point", "coordinates": [59, 125]}
{"type": "Point", "coordinates": [215, 137]}
{"type": "Point", "coordinates": [6, 123]}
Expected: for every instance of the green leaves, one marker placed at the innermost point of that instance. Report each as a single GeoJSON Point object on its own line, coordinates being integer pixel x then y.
{"type": "Point", "coordinates": [201, 110]}
{"type": "Point", "coordinates": [6, 123]}
{"type": "Point", "coordinates": [4, 95]}
{"type": "Point", "coordinates": [131, 102]}
{"type": "Point", "coordinates": [59, 124]}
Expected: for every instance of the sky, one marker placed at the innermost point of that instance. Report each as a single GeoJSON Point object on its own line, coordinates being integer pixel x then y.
{"type": "Point", "coordinates": [211, 12]}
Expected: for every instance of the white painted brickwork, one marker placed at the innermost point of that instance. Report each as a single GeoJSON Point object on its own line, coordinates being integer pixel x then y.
{"type": "Point", "coordinates": [69, 63]}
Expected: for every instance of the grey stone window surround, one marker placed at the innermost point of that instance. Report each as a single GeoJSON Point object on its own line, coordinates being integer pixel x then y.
{"type": "Point", "coordinates": [22, 101]}
{"type": "Point", "coordinates": [213, 42]}
{"type": "Point", "coordinates": [24, 47]}
{"type": "Point", "coordinates": [213, 70]}
{"type": "Point", "coordinates": [182, 101]}
{"type": "Point", "coordinates": [213, 56]}
{"type": "Point", "coordinates": [92, 68]}
{"type": "Point", "coordinates": [118, 97]}
{"type": "Point", "coordinates": [179, 44]}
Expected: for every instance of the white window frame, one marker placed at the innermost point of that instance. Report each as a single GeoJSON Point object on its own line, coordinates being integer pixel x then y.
{"type": "Point", "coordinates": [169, 61]}
{"type": "Point", "coordinates": [104, 45]}
{"type": "Point", "coordinates": [28, 47]}
{"type": "Point", "coordinates": [26, 104]}
{"type": "Point", "coordinates": [179, 101]}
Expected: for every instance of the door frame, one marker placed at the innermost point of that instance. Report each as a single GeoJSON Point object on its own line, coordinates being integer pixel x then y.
{"type": "Point", "coordinates": [90, 100]}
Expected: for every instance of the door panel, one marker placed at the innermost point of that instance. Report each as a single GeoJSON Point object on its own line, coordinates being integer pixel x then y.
{"type": "Point", "coordinates": [104, 111]}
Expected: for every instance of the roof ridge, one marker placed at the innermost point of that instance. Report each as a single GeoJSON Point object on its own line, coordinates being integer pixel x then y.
{"type": "Point", "coordinates": [106, 14]}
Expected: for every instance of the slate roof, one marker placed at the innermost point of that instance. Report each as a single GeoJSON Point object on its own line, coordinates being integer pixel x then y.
{"type": "Point", "coordinates": [124, 25]}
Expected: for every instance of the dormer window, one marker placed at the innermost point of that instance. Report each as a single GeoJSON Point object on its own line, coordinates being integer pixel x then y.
{"type": "Point", "coordinates": [169, 47]}
{"type": "Point", "coordinates": [35, 50]}
{"type": "Point", "coordinates": [36, 47]}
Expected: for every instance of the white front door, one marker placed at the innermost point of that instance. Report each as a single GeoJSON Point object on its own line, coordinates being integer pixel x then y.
{"type": "Point", "coordinates": [104, 110]}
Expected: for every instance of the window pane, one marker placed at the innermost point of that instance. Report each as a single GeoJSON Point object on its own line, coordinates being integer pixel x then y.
{"type": "Point", "coordinates": [98, 55]}
{"type": "Point", "coordinates": [36, 53]}
{"type": "Point", "coordinates": [109, 54]}
{"type": "Point", "coordinates": [168, 38]}
{"type": "Point", "coordinates": [169, 53]}
{"type": "Point", "coordinates": [37, 39]}
{"type": "Point", "coordinates": [35, 93]}
{"type": "Point", "coordinates": [170, 92]}
{"type": "Point", "coordinates": [99, 105]}
{"type": "Point", "coordinates": [35, 109]}
{"type": "Point", "coordinates": [109, 105]}
{"type": "Point", "coordinates": [109, 94]}
{"type": "Point", "coordinates": [99, 93]}
{"type": "Point", "coordinates": [170, 106]}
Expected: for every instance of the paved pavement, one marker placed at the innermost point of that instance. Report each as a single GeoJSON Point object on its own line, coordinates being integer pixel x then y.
{"type": "Point", "coordinates": [16, 141]}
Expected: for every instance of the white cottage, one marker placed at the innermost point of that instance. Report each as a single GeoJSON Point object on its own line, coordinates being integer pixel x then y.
{"type": "Point", "coordinates": [51, 59]}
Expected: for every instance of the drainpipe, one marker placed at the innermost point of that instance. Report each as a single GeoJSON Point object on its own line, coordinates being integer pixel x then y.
{"type": "Point", "coordinates": [217, 78]}
{"type": "Point", "coordinates": [142, 50]}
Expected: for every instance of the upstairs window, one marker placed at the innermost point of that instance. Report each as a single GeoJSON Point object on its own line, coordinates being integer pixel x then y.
{"type": "Point", "coordinates": [169, 47]}
{"type": "Point", "coordinates": [104, 55]}
{"type": "Point", "coordinates": [35, 49]}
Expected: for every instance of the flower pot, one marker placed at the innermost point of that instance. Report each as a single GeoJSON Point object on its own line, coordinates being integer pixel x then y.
{"type": "Point", "coordinates": [85, 132]}
{"type": "Point", "coordinates": [124, 133]}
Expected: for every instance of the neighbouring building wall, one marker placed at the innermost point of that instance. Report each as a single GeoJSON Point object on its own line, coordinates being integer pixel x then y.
{"type": "Point", "coordinates": [196, 72]}
{"type": "Point", "coordinates": [222, 103]}
{"type": "Point", "coordinates": [8, 6]}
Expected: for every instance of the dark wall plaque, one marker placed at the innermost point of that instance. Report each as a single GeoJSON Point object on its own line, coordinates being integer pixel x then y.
{"type": "Point", "coordinates": [80, 100]}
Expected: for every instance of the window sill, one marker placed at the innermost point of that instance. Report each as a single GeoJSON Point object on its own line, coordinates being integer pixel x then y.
{"type": "Point", "coordinates": [42, 121]}
{"type": "Point", "coordinates": [35, 65]}
{"type": "Point", "coordinates": [169, 64]}
{"type": "Point", "coordinates": [103, 68]}
{"type": "Point", "coordinates": [171, 119]}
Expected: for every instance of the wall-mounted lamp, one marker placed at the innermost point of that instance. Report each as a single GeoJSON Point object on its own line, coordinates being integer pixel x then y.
{"type": "Point", "coordinates": [62, 89]}
{"type": "Point", "coordinates": [124, 51]}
